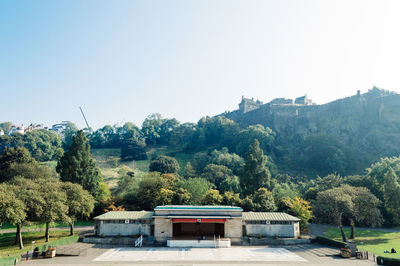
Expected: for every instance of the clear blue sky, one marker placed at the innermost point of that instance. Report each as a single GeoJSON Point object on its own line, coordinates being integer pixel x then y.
{"type": "Point", "coordinates": [123, 60]}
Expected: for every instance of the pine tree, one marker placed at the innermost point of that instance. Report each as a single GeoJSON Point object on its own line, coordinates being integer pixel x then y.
{"type": "Point", "coordinates": [77, 165]}
{"type": "Point", "coordinates": [189, 171]}
{"type": "Point", "coordinates": [392, 195]}
{"type": "Point", "coordinates": [255, 174]}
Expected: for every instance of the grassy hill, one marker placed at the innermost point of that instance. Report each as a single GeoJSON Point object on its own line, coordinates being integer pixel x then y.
{"type": "Point", "coordinates": [110, 165]}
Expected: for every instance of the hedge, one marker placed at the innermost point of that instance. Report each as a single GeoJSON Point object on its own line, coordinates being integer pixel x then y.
{"type": "Point", "coordinates": [8, 261]}
{"type": "Point", "coordinates": [387, 261]}
{"type": "Point", "coordinates": [330, 242]}
{"type": "Point", "coordinates": [59, 242]}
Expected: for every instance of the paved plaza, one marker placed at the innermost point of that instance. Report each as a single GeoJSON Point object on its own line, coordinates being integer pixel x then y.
{"type": "Point", "coordinates": [200, 255]}
{"type": "Point", "coordinates": [309, 254]}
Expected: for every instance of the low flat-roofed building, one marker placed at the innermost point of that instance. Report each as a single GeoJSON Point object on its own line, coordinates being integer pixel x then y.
{"type": "Point", "coordinates": [270, 224]}
{"type": "Point", "coordinates": [197, 225]}
{"type": "Point", "coordinates": [124, 223]}
{"type": "Point", "coordinates": [182, 222]}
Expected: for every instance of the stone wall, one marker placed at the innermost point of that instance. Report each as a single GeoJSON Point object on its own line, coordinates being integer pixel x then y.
{"type": "Point", "coordinates": [233, 230]}
{"type": "Point", "coordinates": [162, 229]}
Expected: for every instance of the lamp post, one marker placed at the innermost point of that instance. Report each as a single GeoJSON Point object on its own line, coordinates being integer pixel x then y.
{"type": "Point", "coordinates": [33, 242]}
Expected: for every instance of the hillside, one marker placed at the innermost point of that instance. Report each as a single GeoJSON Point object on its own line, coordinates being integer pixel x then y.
{"type": "Point", "coordinates": [357, 130]}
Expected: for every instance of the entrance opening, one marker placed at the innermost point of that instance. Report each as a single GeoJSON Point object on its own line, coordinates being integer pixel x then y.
{"type": "Point", "coordinates": [198, 230]}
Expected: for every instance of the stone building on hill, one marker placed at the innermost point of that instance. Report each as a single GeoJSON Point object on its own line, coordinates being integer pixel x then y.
{"type": "Point", "coordinates": [247, 105]}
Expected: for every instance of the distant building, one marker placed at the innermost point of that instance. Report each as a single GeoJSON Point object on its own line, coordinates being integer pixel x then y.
{"type": "Point", "coordinates": [304, 100]}
{"type": "Point", "coordinates": [247, 105]}
{"type": "Point", "coordinates": [32, 127]}
{"type": "Point", "coordinates": [1, 132]}
{"type": "Point", "coordinates": [22, 129]}
{"type": "Point", "coordinates": [17, 129]}
{"type": "Point", "coordinates": [58, 128]}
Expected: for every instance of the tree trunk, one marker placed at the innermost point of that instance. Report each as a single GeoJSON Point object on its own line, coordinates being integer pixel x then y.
{"type": "Point", "coordinates": [352, 229]}
{"type": "Point", "coordinates": [47, 232]}
{"type": "Point", "coordinates": [71, 231]}
{"type": "Point", "coordinates": [342, 232]}
{"type": "Point", "coordinates": [19, 236]}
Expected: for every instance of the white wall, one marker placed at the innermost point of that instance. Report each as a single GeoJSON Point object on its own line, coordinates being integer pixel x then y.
{"type": "Point", "coordinates": [114, 229]}
{"type": "Point", "coordinates": [269, 230]}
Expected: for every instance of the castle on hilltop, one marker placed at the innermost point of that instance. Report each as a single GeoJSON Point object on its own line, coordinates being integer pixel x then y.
{"type": "Point", "coordinates": [247, 105]}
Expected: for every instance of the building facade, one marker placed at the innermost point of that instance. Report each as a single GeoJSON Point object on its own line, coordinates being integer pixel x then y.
{"type": "Point", "coordinates": [172, 223]}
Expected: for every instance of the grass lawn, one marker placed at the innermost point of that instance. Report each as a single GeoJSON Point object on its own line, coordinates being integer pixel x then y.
{"type": "Point", "coordinates": [110, 172]}
{"type": "Point", "coordinates": [7, 245]}
{"type": "Point", "coordinates": [6, 226]}
{"type": "Point", "coordinates": [373, 241]}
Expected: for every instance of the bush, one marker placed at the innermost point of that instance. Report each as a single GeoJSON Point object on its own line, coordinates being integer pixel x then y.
{"type": "Point", "coordinates": [387, 261]}
{"type": "Point", "coordinates": [330, 242]}
{"type": "Point", "coordinates": [59, 242]}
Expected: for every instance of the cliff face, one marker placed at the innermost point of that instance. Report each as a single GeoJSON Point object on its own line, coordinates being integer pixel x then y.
{"type": "Point", "coordinates": [365, 125]}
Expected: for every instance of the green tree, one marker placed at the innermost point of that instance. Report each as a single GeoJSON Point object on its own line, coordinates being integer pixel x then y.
{"type": "Point", "coordinates": [68, 134]}
{"type": "Point", "coordinates": [18, 162]}
{"type": "Point", "coordinates": [216, 174]}
{"type": "Point", "coordinates": [300, 209]}
{"type": "Point", "coordinates": [197, 187]}
{"type": "Point", "coordinates": [247, 204]}
{"type": "Point", "coordinates": [12, 209]}
{"type": "Point", "coordinates": [164, 164]}
{"type": "Point", "coordinates": [263, 200]}
{"type": "Point", "coordinates": [189, 171]}
{"type": "Point", "coordinates": [212, 197]}
{"type": "Point", "coordinates": [134, 149]}
{"type": "Point", "coordinates": [79, 201]}
{"type": "Point", "coordinates": [181, 196]}
{"type": "Point", "coordinates": [392, 195]}
{"type": "Point", "coordinates": [246, 136]}
{"type": "Point", "coordinates": [358, 205]}
{"type": "Point", "coordinates": [332, 206]}
{"type": "Point", "coordinates": [77, 165]}
{"type": "Point", "coordinates": [230, 160]}
{"type": "Point", "coordinates": [28, 192]}
{"type": "Point", "coordinates": [324, 154]}
{"type": "Point", "coordinates": [231, 184]}
{"type": "Point", "coordinates": [155, 189]}
{"type": "Point", "coordinates": [231, 199]}
{"type": "Point", "coordinates": [6, 127]}
{"type": "Point", "coordinates": [42, 144]}
{"type": "Point", "coordinates": [151, 128]}
{"type": "Point", "coordinates": [55, 207]}
{"type": "Point", "coordinates": [14, 156]}
{"type": "Point", "coordinates": [255, 174]}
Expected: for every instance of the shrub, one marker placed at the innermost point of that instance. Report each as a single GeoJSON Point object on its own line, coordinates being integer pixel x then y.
{"type": "Point", "coordinates": [387, 261]}
{"type": "Point", "coordinates": [330, 242]}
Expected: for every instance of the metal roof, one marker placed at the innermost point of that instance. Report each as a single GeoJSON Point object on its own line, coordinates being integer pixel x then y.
{"type": "Point", "coordinates": [268, 216]}
{"type": "Point", "coordinates": [192, 207]}
{"type": "Point", "coordinates": [125, 215]}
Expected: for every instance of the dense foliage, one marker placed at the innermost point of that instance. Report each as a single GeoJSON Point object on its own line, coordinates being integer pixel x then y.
{"type": "Point", "coordinates": [44, 145]}
{"type": "Point", "coordinates": [215, 161]}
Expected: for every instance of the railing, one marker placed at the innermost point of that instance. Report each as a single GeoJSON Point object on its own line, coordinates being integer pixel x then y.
{"type": "Point", "coordinates": [139, 241]}
{"type": "Point", "coordinates": [217, 241]}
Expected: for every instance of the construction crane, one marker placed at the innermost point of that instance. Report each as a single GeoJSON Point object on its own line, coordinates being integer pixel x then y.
{"type": "Point", "coordinates": [84, 117]}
